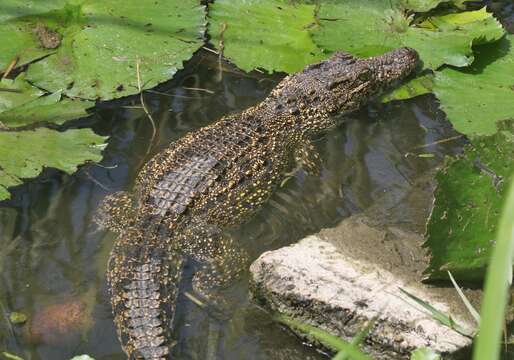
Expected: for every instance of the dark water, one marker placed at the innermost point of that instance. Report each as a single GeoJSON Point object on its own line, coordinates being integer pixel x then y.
{"type": "Point", "coordinates": [50, 252]}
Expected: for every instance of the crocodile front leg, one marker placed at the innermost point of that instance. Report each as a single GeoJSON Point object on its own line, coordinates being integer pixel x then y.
{"type": "Point", "coordinates": [307, 158]}
{"type": "Point", "coordinates": [221, 261]}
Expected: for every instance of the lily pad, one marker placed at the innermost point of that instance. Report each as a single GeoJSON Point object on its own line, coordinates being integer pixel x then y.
{"type": "Point", "coordinates": [468, 198]}
{"type": "Point", "coordinates": [268, 34]}
{"type": "Point", "coordinates": [16, 92]}
{"type": "Point", "coordinates": [426, 5]}
{"type": "Point", "coordinates": [19, 39]}
{"type": "Point", "coordinates": [421, 5]}
{"type": "Point", "coordinates": [476, 98]}
{"type": "Point", "coordinates": [371, 27]}
{"type": "Point", "coordinates": [417, 86]}
{"type": "Point", "coordinates": [23, 154]}
{"type": "Point", "coordinates": [17, 318]}
{"type": "Point", "coordinates": [425, 354]}
{"type": "Point", "coordinates": [93, 46]}
{"type": "Point", "coordinates": [46, 109]}
{"type": "Point", "coordinates": [23, 104]}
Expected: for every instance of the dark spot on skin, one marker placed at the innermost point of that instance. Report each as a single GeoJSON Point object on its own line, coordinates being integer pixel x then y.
{"type": "Point", "coordinates": [294, 111]}
{"type": "Point", "coordinates": [119, 87]}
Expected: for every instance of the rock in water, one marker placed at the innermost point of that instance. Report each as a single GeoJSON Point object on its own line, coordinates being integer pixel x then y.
{"type": "Point", "coordinates": [318, 282]}
{"type": "Point", "coordinates": [55, 323]}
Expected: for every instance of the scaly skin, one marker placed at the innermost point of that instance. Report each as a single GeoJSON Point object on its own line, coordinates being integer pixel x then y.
{"type": "Point", "coordinates": [216, 177]}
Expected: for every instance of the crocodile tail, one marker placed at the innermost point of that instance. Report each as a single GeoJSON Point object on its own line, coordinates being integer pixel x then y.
{"type": "Point", "coordinates": [144, 285]}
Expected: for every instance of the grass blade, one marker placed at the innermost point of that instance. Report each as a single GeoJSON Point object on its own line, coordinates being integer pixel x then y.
{"type": "Point", "coordinates": [465, 300]}
{"type": "Point", "coordinates": [498, 278]}
{"type": "Point", "coordinates": [331, 341]}
{"type": "Point", "coordinates": [437, 315]}
{"type": "Point", "coordinates": [356, 341]}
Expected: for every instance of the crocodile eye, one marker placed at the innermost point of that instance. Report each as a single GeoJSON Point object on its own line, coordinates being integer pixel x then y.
{"type": "Point", "coordinates": [365, 75]}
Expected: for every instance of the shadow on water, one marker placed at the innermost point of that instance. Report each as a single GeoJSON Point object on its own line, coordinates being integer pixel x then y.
{"type": "Point", "coordinates": [51, 252]}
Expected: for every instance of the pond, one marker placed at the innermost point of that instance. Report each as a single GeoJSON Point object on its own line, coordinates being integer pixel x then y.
{"type": "Point", "coordinates": [52, 253]}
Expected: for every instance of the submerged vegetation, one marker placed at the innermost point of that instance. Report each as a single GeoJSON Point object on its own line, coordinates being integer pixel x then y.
{"type": "Point", "coordinates": [60, 58]}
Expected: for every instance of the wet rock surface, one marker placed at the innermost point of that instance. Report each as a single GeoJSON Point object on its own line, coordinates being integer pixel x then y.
{"type": "Point", "coordinates": [55, 322]}
{"type": "Point", "coordinates": [345, 276]}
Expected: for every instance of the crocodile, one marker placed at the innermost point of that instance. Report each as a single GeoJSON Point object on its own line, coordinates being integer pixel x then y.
{"type": "Point", "coordinates": [188, 195]}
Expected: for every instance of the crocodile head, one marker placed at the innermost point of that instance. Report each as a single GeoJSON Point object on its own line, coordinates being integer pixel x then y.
{"type": "Point", "coordinates": [340, 85]}
{"type": "Point", "coordinates": [353, 82]}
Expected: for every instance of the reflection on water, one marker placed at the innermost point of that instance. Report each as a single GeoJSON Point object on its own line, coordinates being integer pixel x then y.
{"type": "Point", "coordinates": [52, 253]}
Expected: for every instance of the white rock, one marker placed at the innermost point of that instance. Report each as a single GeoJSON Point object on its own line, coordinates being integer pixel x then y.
{"type": "Point", "coordinates": [343, 277]}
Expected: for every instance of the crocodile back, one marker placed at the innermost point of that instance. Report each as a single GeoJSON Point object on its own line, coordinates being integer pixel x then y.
{"type": "Point", "coordinates": [221, 173]}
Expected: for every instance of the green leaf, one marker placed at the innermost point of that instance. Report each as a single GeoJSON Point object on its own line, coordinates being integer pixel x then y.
{"type": "Point", "coordinates": [426, 5]}
{"type": "Point", "coordinates": [498, 279]}
{"type": "Point", "coordinates": [371, 27]}
{"type": "Point", "coordinates": [476, 98]}
{"type": "Point", "coordinates": [417, 86]}
{"type": "Point", "coordinates": [268, 34]}
{"type": "Point", "coordinates": [17, 318]}
{"type": "Point", "coordinates": [420, 5]}
{"type": "Point", "coordinates": [16, 92]}
{"type": "Point", "coordinates": [23, 154]}
{"type": "Point", "coordinates": [425, 354]}
{"type": "Point", "coordinates": [22, 104]}
{"type": "Point", "coordinates": [96, 44]}
{"type": "Point", "coordinates": [470, 190]}
{"type": "Point", "coordinates": [17, 30]}
{"type": "Point", "coordinates": [47, 109]}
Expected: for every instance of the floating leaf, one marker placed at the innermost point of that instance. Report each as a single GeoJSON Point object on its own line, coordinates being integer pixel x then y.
{"type": "Point", "coordinates": [17, 92]}
{"type": "Point", "coordinates": [417, 86]}
{"type": "Point", "coordinates": [46, 109]}
{"type": "Point", "coordinates": [17, 317]}
{"type": "Point", "coordinates": [93, 46]}
{"type": "Point", "coordinates": [22, 104]}
{"type": "Point", "coordinates": [268, 34]}
{"type": "Point", "coordinates": [18, 24]}
{"type": "Point", "coordinates": [23, 154]}
{"type": "Point", "coordinates": [470, 191]}
{"type": "Point", "coordinates": [425, 354]}
{"type": "Point", "coordinates": [420, 5]}
{"type": "Point", "coordinates": [475, 98]}
{"type": "Point", "coordinates": [371, 27]}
